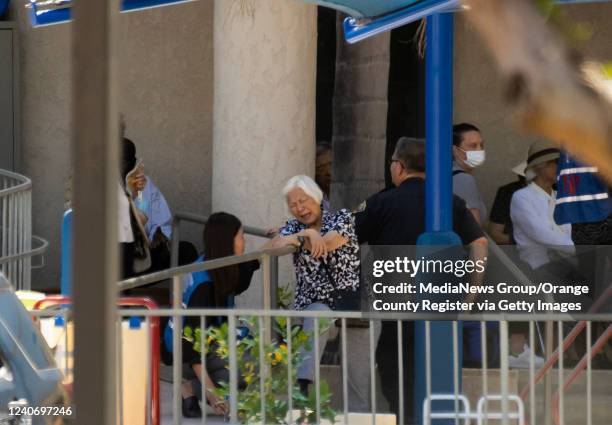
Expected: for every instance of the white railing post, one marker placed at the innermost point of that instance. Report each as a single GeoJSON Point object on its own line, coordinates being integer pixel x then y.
{"type": "Point", "coordinates": [16, 228]}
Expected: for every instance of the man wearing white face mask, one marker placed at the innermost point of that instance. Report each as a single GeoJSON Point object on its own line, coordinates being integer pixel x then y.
{"type": "Point", "coordinates": [468, 153]}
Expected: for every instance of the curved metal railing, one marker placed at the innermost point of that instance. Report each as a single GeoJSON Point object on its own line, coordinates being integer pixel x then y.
{"type": "Point", "coordinates": [16, 238]}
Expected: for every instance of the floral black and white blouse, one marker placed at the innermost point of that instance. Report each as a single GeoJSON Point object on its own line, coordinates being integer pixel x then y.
{"type": "Point", "coordinates": [325, 279]}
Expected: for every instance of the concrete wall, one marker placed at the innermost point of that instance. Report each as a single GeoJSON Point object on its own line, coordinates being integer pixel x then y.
{"type": "Point", "coordinates": [264, 126]}
{"type": "Point", "coordinates": [479, 93]}
{"type": "Point", "coordinates": [360, 118]}
{"type": "Point", "coordinates": [166, 92]}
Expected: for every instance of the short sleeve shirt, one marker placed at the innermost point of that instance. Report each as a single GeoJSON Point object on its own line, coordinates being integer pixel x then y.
{"type": "Point", "coordinates": [464, 186]}
{"type": "Point", "coordinates": [500, 212]}
{"type": "Point", "coordinates": [397, 216]}
{"type": "Point", "coordinates": [325, 279]}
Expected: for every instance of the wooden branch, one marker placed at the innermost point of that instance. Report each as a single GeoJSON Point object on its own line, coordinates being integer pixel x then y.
{"type": "Point", "coordinates": [551, 92]}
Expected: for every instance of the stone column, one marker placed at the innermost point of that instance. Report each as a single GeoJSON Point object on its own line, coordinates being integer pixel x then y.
{"type": "Point", "coordinates": [264, 110]}
{"type": "Point", "coordinates": [360, 118]}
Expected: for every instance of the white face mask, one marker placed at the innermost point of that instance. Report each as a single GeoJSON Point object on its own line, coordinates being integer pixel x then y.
{"type": "Point", "coordinates": [474, 158]}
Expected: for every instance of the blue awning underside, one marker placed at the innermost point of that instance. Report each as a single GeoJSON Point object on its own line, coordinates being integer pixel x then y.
{"type": "Point", "coordinates": [374, 8]}
{"type": "Point", "coordinates": [369, 8]}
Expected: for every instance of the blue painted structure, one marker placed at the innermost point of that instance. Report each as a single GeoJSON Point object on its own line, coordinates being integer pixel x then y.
{"type": "Point", "coordinates": [3, 6]}
{"type": "Point", "coordinates": [359, 29]}
{"type": "Point", "coordinates": [438, 208]}
{"type": "Point", "coordinates": [66, 255]}
{"type": "Point", "coordinates": [42, 13]}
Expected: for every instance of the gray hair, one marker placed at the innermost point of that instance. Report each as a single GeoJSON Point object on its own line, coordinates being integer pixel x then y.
{"type": "Point", "coordinates": [411, 153]}
{"type": "Point", "coordinates": [305, 183]}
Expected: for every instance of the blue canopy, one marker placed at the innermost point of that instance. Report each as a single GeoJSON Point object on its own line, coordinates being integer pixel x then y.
{"type": "Point", "coordinates": [369, 8]}
{"type": "Point", "coordinates": [376, 8]}
{"type": "Point", "coordinates": [368, 17]}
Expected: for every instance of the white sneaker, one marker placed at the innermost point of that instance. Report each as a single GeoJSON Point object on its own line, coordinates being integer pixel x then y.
{"type": "Point", "coordinates": [5, 374]}
{"type": "Point", "coordinates": [522, 360]}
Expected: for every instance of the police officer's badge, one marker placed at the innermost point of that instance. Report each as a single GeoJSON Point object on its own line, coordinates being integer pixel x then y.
{"type": "Point", "coordinates": [360, 208]}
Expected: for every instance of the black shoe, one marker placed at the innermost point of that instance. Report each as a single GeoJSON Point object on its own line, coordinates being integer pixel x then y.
{"type": "Point", "coordinates": [303, 384]}
{"type": "Point", "coordinates": [191, 407]}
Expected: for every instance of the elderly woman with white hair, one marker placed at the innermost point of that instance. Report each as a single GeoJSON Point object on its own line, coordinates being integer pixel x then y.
{"type": "Point", "coordinates": [326, 262]}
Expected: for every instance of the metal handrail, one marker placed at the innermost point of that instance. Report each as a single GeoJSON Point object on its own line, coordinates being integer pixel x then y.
{"type": "Point", "coordinates": [217, 263]}
{"type": "Point", "coordinates": [567, 342]}
{"type": "Point", "coordinates": [25, 183]}
{"type": "Point", "coordinates": [16, 237]}
{"type": "Point", "coordinates": [580, 367]}
{"type": "Point", "coordinates": [201, 219]}
{"type": "Point", "coordinates": [405, 316]}
{"type": "Point", "coordinates": [44, 244]}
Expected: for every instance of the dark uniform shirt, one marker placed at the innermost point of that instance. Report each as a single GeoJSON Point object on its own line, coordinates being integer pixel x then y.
{"type": "Point", "coordinates": [500, 213]}
{"type": "Point", "coordinates": [397, 216]}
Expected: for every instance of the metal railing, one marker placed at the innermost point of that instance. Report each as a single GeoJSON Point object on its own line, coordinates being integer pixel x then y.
{"type": "Point", "coordinates": [584, 364]}
{"type": "Point", "coordinates": [176, 274]}
{"type": "Point", "coordinates": [511, 405]}
{"type": "Point", "coordinates": [483, 411]}
{"type": "Point", "coordinates": [568, 341]}
{"type": "Point", "coordinates": [269, 293]}
{"type": "Point", "coordinates": [16, 229]}
{"type": "Point", "coordinates": [57, 307]}
{"type": "Point", "coordinates": [512, 408]}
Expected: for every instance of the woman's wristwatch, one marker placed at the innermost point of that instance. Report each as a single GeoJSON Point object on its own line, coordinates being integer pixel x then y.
{"type": "Point", "coordinates": [301, 240]}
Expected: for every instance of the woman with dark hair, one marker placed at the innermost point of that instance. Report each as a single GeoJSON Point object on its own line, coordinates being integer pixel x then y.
{"type": "Point", "coordinates": [223, 236]}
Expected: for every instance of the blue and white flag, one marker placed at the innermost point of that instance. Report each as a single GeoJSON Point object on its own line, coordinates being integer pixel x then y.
{"type": "Point", "coordinates": [581, 196]}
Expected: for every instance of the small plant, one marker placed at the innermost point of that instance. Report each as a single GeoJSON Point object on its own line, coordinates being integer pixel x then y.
{"type": "Point", "coordinates": [275, 379]}
{"type": "Point", "coordinates": [284, 297]}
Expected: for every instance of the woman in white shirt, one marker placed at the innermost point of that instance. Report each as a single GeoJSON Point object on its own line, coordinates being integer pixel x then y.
{"type": "Point", "coordinates": [539, 239]}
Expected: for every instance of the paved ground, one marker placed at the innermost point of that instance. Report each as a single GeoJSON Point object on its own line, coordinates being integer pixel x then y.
{"type": "Point", "coordinates": [166, 409]}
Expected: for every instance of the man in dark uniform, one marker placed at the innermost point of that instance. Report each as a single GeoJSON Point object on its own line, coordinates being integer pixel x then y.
{"type": "Point", "coordinates": [397, 217]}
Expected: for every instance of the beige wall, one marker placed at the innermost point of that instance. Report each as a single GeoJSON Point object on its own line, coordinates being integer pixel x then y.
{"type": "Point", "coordinates": [479, 93]}
{"type": "Point", "coordinates": [166, 93]}
{"type": "Point", "coordinates": [264, 127]}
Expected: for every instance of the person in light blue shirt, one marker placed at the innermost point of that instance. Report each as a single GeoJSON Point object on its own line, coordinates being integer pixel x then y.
{"type": "Point", "coordinates": [146, 195]}
{"type": "Point", "coordinates": [156, 215]}
{"type": "Point", "coordinates": [153, 204]}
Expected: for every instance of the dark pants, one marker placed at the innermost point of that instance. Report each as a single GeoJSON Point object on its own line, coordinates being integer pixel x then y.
{"type": "Point", "coordinates": [387, 363]}
{"type": "Point", "coordinates": [127, 260]}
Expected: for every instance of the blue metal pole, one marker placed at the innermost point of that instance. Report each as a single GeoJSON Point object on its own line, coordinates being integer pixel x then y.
{"type": "Point", "coordinates": [438, 205]}
{"type": "Point", "coordinates": [66, 257]}
{"type": "Point", "coordinates": [438, 124]}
